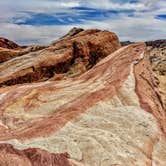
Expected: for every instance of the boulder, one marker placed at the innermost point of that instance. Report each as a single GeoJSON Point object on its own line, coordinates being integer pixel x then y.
{"type": "Point", "coordinates": [70, 56]}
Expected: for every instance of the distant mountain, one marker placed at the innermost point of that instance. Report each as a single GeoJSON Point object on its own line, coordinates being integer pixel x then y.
{"type": "Point", "coordinates": [154, 43]}
{"type": "Point", "coordinates": [157, 43]}
{"type": "Point", "coordinates": [125, 43]}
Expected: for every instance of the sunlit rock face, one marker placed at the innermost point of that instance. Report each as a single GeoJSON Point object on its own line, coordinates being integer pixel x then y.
{"type": "Point", "coordinates": [157, 57]}
{"type": "Point", "coordinates": [70, 56]}
{"type": "Point", "coordinates": [8, 49]}
{"type": "Point", "coordinates": [5, 43]}
{"type": "Point", "coordinates": [111, 114]}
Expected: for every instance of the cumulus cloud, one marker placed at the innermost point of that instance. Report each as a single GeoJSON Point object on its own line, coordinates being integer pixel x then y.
{"type": "Point", "coordinates": [41, 21]}
{"type": "Point", "coordinates": [27, 34]}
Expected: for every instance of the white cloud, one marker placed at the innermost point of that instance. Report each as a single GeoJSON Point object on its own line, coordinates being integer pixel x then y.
{"type": "Point", "coordinates": [137, 29]}
{"type": "Point", "coordinates": [141, 26]}
{"type": "Point", "coordinates": [115, 6]}
{"type": "Point", "coordinates": [27, 34]}
{"type": "Point", "coordinates": [134, 29]}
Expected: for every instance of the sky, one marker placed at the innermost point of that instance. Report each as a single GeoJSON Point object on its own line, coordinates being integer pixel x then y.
{"type": "Point", "coordinates": [43, 21]}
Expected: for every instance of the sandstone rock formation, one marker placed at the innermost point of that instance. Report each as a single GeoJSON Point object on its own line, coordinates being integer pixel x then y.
{"type": "Point", "coordinates": [7, 54]}
{"type": "Point", "coordinates": [70, 56]}
{"type": "Point", "coordinates": [111, 114]}
{"type": "Point", "coordinates": [5, 43]}
{"type": "Point", "coordinates": [31, 157]}
{"type": "Point", "coordinates": [72, 32]}
{"type": "Point", "coordinates": [157, 57]}
{"type": "Point", "coordinates": [156, 51]}
{"type": "Point", "coordinates": [8, 49]}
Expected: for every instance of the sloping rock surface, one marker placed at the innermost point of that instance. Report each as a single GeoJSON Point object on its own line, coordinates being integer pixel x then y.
{"type": "Point", "coordinates": [69, 56]}
{"type": "Point", "coordinates": [7, 54]}
{"type": "Point", "coordinates": [31, 157]}
{"type": "Point", "coordinates": [112, 114]}
{"type": "Point", "coordinates": [157, 57]}
{"type": "Point", "coordinates": [5, 43]}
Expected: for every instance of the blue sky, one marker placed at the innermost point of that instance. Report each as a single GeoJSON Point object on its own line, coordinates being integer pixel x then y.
{"type": "Point", "coordinates": [42, 21]}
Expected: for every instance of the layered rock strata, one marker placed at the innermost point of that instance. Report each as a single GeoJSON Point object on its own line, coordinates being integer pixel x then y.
{"type": "Point", "coordinates": [111, 115]}
{"type": "Point", "coordinates": [5, 43]}
{"type": "Point", "coordinates": [68, 57]}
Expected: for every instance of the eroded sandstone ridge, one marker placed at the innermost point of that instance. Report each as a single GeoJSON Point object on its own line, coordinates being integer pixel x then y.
{"type": "Point", "coordinates": [109, 114]}
{"type": "Point", "coordinates": [157, 57]}
{"type": "Point", "coordinates": [70, 56]}
{"type": "Point", "coordinates": [32, 156]}
{"type": "Point", "coordinates": [5, 43]}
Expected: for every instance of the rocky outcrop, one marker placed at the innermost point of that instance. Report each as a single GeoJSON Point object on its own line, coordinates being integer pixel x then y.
{"type": "Point", "coordinates": [31, 157]}
{"type": "Point", "coordinates": [69, 57]}
{"type": "Point", "coordinates": [110, 115]}
{"type": "Point", "coordinates": [83, 101]}
{"type": "Point", "coordinates": [72, 32]}
{"type": "Point", "coordinates": [5, 43]}
{"type": "Point", "coordinates": [7, 54]}
{"type": "Point", "coordinates": [8, 49]}
{"type": "Point", "coordinates": [157, 58]}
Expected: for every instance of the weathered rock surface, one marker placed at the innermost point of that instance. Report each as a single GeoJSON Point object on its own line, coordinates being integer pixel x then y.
{"type": "Point", "coordinates": [8, 49]}
{"type": "Point", "coordinates": [69, 56]}
{"type": "Point", "coordinates": [31, 157]}
{"type": "Point", "coordinates": [5, 43]}
{"type": "Point", "coordinates": [156, 51]}
{"type": "Point", "coordinates": [156, 43]}
{"type": "Point", "coordinates": [111, 115]}
{"type": "Point", "coordinates": [157, 58]}
{"type": "Point", "coordinates": [73, 32]}
{"type": "Point", "coordinates": [7, 54]}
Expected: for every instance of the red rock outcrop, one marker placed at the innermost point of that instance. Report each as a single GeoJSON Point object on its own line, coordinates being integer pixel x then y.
{"type": "Point", "coordinates": [5, 43]}
{"type": "Point", "coordinates": [8, 49]}
{"type": "Point", "coordinates": [149, 93]}
{"type": "Point", "coordinates": [157, 58]}
{"type": "Point", "coordinates": [111, 114]}
{"type": "Point", "coordinates": [31, 157]}
{"type": "Point", "coordinates": [72, 55]}
{"type": "Point", "coordinates": [102, 117]}
{"type": "Point", "coordinates": [7, 54]}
